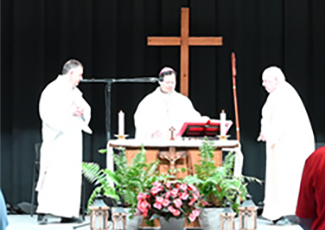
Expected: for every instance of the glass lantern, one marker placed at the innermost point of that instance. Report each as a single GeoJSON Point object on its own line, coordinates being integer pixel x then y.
{"type": "Point", "coordinates": [99, 215]}
{"type": "Point", "coordinates": [248, 215]}
{"type": "Point", "coordinates": [227, 218]}
{"type": "Point", "coordinates": [119, 218]}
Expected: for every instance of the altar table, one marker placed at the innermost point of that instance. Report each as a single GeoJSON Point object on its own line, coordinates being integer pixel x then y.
{"type": "Point", "coordinates": [187, 152]}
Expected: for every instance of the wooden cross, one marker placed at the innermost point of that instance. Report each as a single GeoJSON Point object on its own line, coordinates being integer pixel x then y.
{"type": "Point", "coordinates": [184, 41]}
{"type": "Point", "coordinates": [172, 129]}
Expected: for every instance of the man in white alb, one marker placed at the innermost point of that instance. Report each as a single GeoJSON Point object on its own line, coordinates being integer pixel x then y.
{"type": "Point", "coordinates": [286, 129]}
{"type": "Point", "coordinates": [162, 109]}
{"type": "Point", "coordinates": [64, 114]}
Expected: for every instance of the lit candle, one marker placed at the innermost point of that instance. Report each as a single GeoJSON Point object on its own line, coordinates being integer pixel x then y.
{"type": "Point", "coordinates": [121, 123]}
{"type": "Point", "coordinates": [222, 123]}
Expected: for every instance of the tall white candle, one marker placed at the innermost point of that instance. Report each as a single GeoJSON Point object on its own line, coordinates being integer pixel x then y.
{"type": "Point", "coordinates": [121, 123]}
{"type": "Point", "coordinates": [222, 123]}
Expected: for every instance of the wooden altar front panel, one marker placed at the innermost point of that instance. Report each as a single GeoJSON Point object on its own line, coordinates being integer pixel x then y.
{"type": "Point", "coordinates": [191, 158]}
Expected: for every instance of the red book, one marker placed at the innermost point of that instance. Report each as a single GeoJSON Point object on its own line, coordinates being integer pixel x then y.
{"type": "Point", "coordinates": [201, 129]}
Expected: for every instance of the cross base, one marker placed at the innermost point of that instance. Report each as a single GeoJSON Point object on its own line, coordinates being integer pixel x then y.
{"type": "Point", "coordinates": [121, 136]}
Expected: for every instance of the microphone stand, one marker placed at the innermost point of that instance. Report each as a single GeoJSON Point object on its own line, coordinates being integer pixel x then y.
{"type": "Point", "coordinates": [109, 82]}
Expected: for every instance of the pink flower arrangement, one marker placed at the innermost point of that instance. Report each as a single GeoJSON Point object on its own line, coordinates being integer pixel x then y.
{"type": "Point", "coordinates": [169, 199]}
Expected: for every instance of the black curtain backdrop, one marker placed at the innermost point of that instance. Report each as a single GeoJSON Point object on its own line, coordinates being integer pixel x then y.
{"type": "Point", "coordinates": [109, 38]}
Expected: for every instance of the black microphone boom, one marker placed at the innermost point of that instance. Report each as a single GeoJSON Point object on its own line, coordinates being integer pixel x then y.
{"type": "Point", "coordinates": [112, 80]}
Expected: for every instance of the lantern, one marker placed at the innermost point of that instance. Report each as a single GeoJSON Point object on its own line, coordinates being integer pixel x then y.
{"type": "Point", "coordinates": [227, 218]}
{"type": "Point", "coordinates": [247, 215]}
{"type": "Point", "coordinates": [119, 218]}
{"type": "Point", "coordinates": [99, 215]}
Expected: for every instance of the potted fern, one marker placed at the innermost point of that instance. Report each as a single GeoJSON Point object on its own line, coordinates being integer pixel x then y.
{"type": "Point", "coordinates": [125, 183]}
{"type": "Point", "coordinates": [217, 184]}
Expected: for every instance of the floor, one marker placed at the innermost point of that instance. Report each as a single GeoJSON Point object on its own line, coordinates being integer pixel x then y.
{"type": "Point", "coordinates": [26, 222]}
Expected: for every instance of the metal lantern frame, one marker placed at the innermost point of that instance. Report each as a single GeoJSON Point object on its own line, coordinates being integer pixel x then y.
{"type": "Point", "coordinates": [99, 218]}
{"type": "Point", "coordinates": [119, 218]}
{"type": "Point", "coordinates": [227, 220]}
{"type": "Point", "coordinates": [248, 215]}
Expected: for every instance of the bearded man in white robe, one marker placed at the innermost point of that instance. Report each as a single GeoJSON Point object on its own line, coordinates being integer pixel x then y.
{"type": "Point", "coordinates": [64, 114]}
{"type": "Point", "coordinates": [289, 137]}
{"type": "Point", "coordinates": [163, 109]}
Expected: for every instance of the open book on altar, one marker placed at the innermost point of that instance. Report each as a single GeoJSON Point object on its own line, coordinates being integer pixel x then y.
{"type": "Point", "coordinates": [203, 128]}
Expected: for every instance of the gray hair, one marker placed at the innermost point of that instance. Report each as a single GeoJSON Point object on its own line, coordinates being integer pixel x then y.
{"type": "Point", "coordinates": [69, 65]}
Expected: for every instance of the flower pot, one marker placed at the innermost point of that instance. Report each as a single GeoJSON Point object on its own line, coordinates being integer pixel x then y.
{"type": "Point", "coordinates": [172, 223]}
{"type": "Point", "coordinates": [210, 218]}
{"type": "Point", "coordinates": [134, 223]}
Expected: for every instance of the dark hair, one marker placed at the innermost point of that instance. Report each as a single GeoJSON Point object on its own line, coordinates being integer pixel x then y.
{"type": "Point", "coordinates": [69, 65]}
{"type": "Point", "coordinates": [163, 74]}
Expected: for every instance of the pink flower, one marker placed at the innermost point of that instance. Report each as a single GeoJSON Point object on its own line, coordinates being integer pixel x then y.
{"type": "Point", "coordinates": [192, 187]}
{"type": "Point", "coordinates": [155, 190]}
{"type": "Point", "coordinates": [183, 187]}
{"type": "Point", "coordinates": [195, 197]}
{"type": "Point", "coordinates": [156, 184]}
{"type": "Point", "coordinates": [168, 185]}
{"type": "Point", "coordinates": [192, 202]}
{"type": "Point", "coordinates": [165, 202]}
{"type": "Point", "coordinates": [169, 198]}
{"type": "Point", "coordinates": [144, 214]}
{"type": "Point", "coordinates": [174, 192]}
{"type": "Point", "coordinates": [143, 206]}
{"type": "Point", "coordinates": [141, 196]}
{"type": "Point", "coordinates": [178, 203]}
{"type": "Point", "coordinates": [174, 211]}
{"type": "Point", "coordinates": [168, 194]}
{"type": "Point", "coordinates": [184, 196]}
{"type": "Point", "coordinates": [191, 217]}
{"type": "Point", "coordinates": [195, 213]}
{"type": "Point", "coordinates": [158, 203]}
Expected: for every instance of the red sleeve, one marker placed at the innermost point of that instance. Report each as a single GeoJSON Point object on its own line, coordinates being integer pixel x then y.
{"type": "Point", "coordinates": [306, 206]}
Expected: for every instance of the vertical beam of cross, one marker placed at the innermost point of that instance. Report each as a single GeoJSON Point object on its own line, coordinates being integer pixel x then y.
{"type": "Point", "coordinates": [184, 41]}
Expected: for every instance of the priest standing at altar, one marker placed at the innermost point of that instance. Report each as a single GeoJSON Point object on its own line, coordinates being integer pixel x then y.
{"type": "Point", "coordinates": [162, 109]}
{"type": "Point", "coordinates": [64, 114]}
{"type": "Point", "coordinates": [286, 129]}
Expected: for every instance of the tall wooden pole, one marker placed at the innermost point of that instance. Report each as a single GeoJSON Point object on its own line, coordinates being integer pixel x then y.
{"type": "Point", "coordinates": [233, 65]}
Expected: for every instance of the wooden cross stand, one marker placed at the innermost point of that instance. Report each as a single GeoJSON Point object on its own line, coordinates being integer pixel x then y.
{"type": "Point", "coordinates": [172, 129]}
{"type": "Point", "coordinates": [184, 41]}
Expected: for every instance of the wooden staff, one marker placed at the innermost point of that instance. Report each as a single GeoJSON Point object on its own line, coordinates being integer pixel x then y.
{"type": "Point", "coordinates": [233, 65]}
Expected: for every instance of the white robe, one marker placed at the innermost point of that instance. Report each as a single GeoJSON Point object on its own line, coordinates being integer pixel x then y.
{"type": "Point", "coordinates": [161, 111]}
{"type": "Point", "coordinates": [59, 183]}
{"type": "Point", "coordinates": [289, 141]}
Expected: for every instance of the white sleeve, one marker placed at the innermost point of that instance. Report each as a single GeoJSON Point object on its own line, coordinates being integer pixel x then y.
{"type": "Point", "coordinates": [55, 109]}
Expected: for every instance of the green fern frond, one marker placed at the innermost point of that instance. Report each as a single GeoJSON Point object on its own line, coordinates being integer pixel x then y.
{"type": "Point", "coordinates": [91, 171]}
